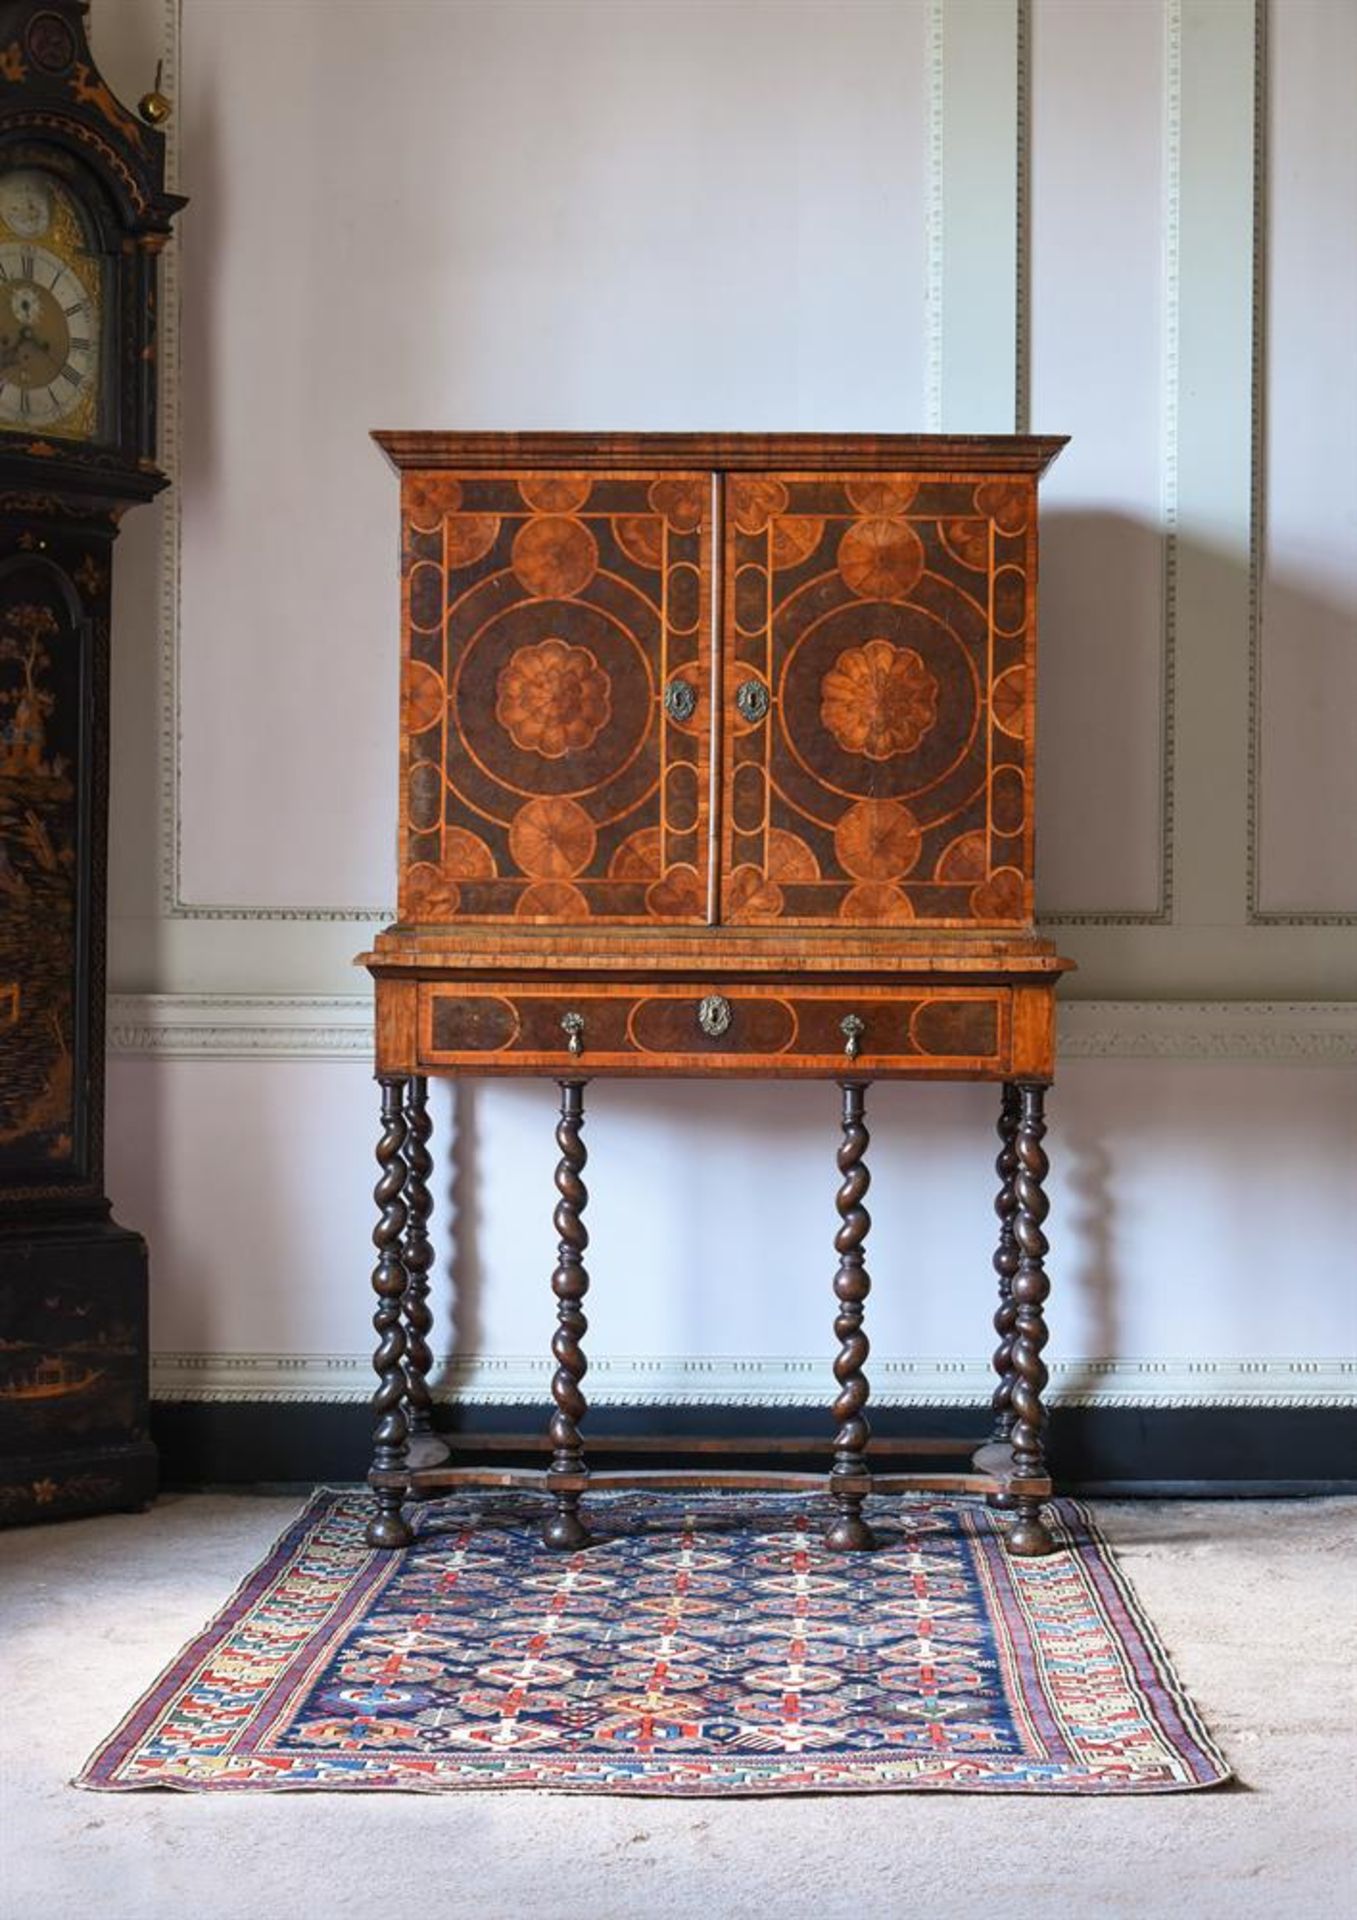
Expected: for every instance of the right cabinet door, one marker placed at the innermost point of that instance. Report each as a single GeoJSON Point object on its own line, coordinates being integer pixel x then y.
{"type": "Point", "coordinates": [878, 640]}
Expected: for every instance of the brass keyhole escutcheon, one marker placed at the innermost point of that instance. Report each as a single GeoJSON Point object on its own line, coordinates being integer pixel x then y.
{"type": "Point", "coordinates": [714, 1014]}
{"type": "Point", "coordinates": [751, 698]}
{"type": "Point", "coordinates": [680, 700]}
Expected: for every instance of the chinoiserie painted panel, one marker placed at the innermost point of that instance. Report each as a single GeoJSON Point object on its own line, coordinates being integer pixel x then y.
{"type": "Point", "coordinates": [878, 675]}
{"type": "Point", "coordinates": [556, 697]}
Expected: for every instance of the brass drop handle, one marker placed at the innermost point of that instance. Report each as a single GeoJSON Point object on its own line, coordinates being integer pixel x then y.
{"type": "Point", "coordinates": [680, 700]}
{"type": "Point", "coordinates": [751, 697]}
{"type": "Point", "coordinates": [713, 1015]}
{"type": "Point", "coordinates": [852, 1027]}
{"type": "Point", "coordinates": [572, 1025]}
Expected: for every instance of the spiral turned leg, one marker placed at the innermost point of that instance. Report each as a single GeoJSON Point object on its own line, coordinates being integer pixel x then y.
{"type": "Point", "coordinates": [388, 1526]}
{"type": "Point", "coordinates": [564, 1528]}
{"type": "Point", "coordinates": [425, 1449]}
{"type": "Point", "coordinates": [1005, 1263]}
{"type": "Point", "coordinates": [1028, 1535]}
{"type": "Point", "coordinates": [997, 1451]}
{"type": "Point", "coordinates": [849, 1532]}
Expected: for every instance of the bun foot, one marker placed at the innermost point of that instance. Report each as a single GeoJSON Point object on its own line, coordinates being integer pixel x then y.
{"type": "Point", "coordinates": [1028, 1538]}
{"type": "Point", "coordinates": [1001, 1502]}
{"type": "Point", "coordinates": [565, 1532]}
{"type": "Point", "coordinates": [850, 1534]}
{"type": "Point", "coordinates": [389, 1529]}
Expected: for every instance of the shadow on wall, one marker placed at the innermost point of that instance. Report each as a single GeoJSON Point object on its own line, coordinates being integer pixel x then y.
{"type": "Point", "coordinates": [1120, 610]}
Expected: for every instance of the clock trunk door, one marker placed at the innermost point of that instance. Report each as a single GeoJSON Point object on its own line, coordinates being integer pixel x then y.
{"type": "Point", "coordinates": [877, 699]}
{"type": "Point", "coordinates": [557, 697]}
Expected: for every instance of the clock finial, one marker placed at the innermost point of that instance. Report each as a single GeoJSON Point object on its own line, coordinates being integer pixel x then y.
{"type": "Point", "coordinates": [153, 107]}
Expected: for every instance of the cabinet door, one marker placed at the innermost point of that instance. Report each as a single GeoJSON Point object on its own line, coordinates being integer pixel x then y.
{"type": "Point", "coordinates": [556, 697]}
{"type": "Point", "coordinates": [877, 699]}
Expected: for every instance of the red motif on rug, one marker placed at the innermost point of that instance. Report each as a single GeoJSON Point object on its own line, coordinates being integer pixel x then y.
{"type": "Point", "coordinates": [707, 1645]}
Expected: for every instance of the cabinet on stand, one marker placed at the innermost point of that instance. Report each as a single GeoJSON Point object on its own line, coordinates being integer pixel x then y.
{"type": "Point", "coordinates": [716, 759]}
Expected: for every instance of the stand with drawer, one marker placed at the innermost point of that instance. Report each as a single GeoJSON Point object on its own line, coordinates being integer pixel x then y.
{"type": "Point", "coordinates": [716, 759]}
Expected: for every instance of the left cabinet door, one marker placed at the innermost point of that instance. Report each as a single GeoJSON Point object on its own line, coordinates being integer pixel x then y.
{"type": "Point", "coordinates": [556, 697]}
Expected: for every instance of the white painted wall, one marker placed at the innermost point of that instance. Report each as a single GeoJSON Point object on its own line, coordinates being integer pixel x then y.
{"type": "Point", "coordinates": [762, 213]}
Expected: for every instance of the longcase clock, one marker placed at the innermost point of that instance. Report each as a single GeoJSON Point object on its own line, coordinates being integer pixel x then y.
{"type": "Point", "coordinates": [83, 216]}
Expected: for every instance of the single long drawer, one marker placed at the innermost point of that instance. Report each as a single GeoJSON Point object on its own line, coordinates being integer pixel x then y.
{"type": "Point", "coordinates": [749, 1028]}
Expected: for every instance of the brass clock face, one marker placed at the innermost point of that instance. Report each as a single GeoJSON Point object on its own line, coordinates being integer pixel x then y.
{"type": "Point", "coordinates": [49, 311]}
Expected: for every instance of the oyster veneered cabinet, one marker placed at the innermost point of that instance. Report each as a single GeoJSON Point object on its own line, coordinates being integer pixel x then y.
{"type": "Point", "coordinates": [557, 697]}
{"type": "Point", "coordinates": [852, 652]}
{"type": "Point", "coordinates": [716, 758]}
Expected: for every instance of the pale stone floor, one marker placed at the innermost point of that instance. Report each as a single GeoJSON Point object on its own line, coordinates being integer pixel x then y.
{"type": "Point", "coordinates": [1255, 1601]}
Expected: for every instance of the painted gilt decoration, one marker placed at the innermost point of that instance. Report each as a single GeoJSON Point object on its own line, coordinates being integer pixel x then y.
{"type": "Point", "coordinates": [889, 620]}
{"type": "Point", "coordinates": [556, 697]}
{"type": "Point", "coordinates": [43, 663]}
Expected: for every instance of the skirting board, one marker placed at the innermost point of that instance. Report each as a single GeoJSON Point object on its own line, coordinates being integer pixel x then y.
{"type": "Point", "coordinates": [1130, 1450]}
{"type": "Point", "coordinates": [188, 1026]}
{"type": "Point", "coordinates": [495, 1381]}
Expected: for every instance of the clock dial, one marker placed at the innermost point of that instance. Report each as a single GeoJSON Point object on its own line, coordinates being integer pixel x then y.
{"type": "Point", "coordinates": [47, 342]}
{"type": "Point", "coordinates": [51, 366]}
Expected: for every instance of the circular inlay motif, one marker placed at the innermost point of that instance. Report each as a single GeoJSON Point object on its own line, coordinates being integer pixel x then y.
{"type": "Point", "coordinates": [682, 502]}
{"type": "Point", "coordinates": [750, 897]}
{"type": "Point", "coordinates": [878, 902]}
{"type": "Point", "coordinates": [789, 858]}
{"type": "Point", "coordinates": [641, 537]}
{"type": "Point", "coordinates": [428, 895]}
{"type": "Point", "coordinates": [877, 840]}
{"type": "Point", "coordinates": [552, 838]}
{"type": "Point", "coordinates": [754, 502]}
{"type": "Point", "coordinates": [878, 699]}
{"type": "Point", "coordinates": [424, 697]}
{"type": "Point", "coordinates": [1000, 897]}
{"type": "Point", "coordinates": [468, 537]}
{"type": "Point", "coordinates": [1008, 701]}
{"type": "Point", "coordinates": [466, 856]}
{"type": "Point", "coordinates": [554, 557]}
{"type": "Point", "coordinates": [946, 631]}
{"type": "Point", "coordinates": [1005, 502]}
{"type": "Point", "coordinates": [883, 495]}
{"type": "Point", "coordinates": [429, 497]}
{"type": "Point", "coordinates": [794, 538]}
{"type": "Point", "coordinates": [881, 559]}
{"type": "Point", "coordinates": [553, 698]}
{"type": "Point", "coordinates": [555, 492]}
{"type": "Point", "coordinates": [964, 860]}
{"type": "Point", "coordinates": [638, 857]}
{"type": "Point", "coordinates": [967, 541]}
{"type": "Point", "coordinates": [678, 896]}
{"type": "Point", "coordinates": [552, 900]}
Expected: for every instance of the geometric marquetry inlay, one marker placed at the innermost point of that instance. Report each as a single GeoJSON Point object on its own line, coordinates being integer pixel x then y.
{"type": "Point", "coordinates": [889, 619]}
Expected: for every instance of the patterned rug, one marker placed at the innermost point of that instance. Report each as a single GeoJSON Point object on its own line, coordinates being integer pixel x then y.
{"type": "Point", "coordinates": [707, 1644]}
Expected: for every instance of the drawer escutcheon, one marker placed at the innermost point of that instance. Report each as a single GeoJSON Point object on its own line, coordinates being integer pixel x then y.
{"type": "Point", "coordinates": [714, 1015]}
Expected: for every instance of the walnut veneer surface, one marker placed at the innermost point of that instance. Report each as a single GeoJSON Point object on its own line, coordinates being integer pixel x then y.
{"type": "Point", "coordinates": [716, 757]}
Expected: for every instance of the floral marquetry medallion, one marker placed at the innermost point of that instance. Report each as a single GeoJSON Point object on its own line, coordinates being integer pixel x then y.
{"type": "Point", "coordinates": [556, 697]}
{"type": "Point", "coordinates": [878, 775]}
